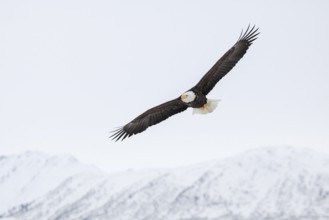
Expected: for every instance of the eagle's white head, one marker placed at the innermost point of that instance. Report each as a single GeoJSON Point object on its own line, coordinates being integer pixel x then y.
{"type": "Point", "coordinates": [188, 97]}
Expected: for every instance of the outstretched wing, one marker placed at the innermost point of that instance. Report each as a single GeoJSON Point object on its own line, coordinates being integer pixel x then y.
{"type": "Point", "coordinates": [227, 61]}
{"type": "Point", "coordinates": [150, 117]}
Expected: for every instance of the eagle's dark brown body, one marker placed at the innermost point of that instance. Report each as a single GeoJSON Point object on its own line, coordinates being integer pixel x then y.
{"type": "Point", "coordinates": [199, 101]}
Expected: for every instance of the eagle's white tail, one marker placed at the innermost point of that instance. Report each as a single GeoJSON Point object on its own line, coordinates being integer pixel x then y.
{"type": "Point", "coordinates": [209, 107]}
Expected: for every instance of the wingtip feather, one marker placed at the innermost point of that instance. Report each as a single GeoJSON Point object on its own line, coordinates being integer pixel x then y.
{"type": "Point", "coordinates": [117, 134]}
{"type": "Point", "coordinates": [249, 35]}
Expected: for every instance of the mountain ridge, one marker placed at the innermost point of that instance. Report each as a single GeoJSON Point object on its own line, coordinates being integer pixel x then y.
{"type": "Point", "coordinates": [267, 183]}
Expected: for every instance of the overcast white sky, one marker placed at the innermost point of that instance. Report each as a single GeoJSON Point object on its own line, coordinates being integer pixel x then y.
{"type": "Point", "coordinates": [71, 71]}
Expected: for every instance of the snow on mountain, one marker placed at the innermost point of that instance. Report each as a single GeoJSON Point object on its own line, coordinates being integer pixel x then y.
{"type": "Point", "coordinates": [268, 183]}
{"type": "Point", "coordinates": [29, 175]}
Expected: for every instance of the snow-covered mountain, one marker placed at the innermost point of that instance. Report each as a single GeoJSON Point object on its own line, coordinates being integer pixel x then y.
{"type": "Point", "coordinates": [269, 183]}
{"type": "Point", "coordinates": [30, 175]}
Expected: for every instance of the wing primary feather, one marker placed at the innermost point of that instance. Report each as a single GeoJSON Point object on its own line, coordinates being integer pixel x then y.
{"type": "Point", "coordinates": [122, 133]}
{"type": "Point", "coordinates": [240, 34]}
{"type": "Point", "coordinates": [249, 34]}
{"type": "Point", "coordinates": [126, 135]}
{"type": "Point", "coordinates": [245, 33]}
{"type": "Point", "coordinates": [117, 134]}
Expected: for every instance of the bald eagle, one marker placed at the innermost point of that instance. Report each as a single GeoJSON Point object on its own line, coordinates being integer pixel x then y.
{"type": "Point", "coordinates": [194, 97]}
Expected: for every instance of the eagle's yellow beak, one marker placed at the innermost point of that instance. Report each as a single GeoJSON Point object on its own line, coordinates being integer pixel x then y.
{"type": "Point", "coordinates": [183, 97]}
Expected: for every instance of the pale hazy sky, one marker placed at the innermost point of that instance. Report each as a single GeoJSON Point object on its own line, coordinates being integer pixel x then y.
{"type": "Point", "coordinates": [71, 71]}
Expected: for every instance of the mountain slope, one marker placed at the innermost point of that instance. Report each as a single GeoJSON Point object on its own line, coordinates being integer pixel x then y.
{"type": "Point", "coordinates": [279, 183]}
{"type": "Point", "coordinates": [29, 175]}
